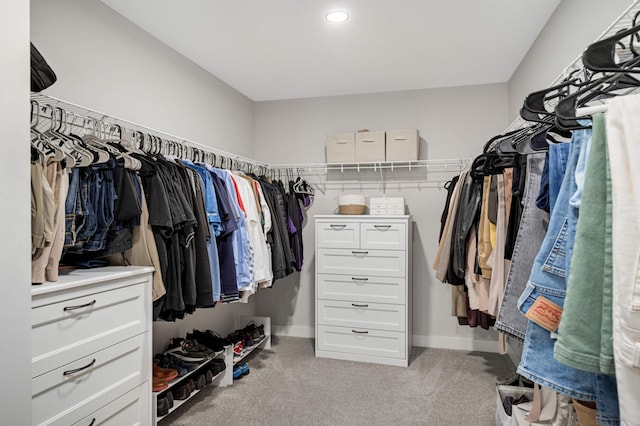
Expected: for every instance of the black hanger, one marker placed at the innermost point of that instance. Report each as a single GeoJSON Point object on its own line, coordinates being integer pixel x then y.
{"type": "Point", "coordinates": [601, 55]}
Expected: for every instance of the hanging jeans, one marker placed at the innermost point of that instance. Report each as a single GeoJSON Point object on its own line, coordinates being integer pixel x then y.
{"type": "Point", "coordinates": [544, 296]}
{"type": "Point", "coordinates": [533, 226]}
{"type": "Point", "coordinates": [623, 133]}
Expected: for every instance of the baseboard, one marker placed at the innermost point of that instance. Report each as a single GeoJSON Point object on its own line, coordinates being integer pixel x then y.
{"type": "Point", "coordinates": [455, 343]}
{"type": "Point", "coordinates": [293, 331]}
{"type": "Point", "coordinates": [438, 342]}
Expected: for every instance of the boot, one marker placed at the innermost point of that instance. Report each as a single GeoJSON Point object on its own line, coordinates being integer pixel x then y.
{"type": "Point", "coordinates": [586, 412]}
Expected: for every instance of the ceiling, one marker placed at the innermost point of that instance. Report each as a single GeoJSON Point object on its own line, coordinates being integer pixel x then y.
{"type": "Point", "coordinates": [284, 49]}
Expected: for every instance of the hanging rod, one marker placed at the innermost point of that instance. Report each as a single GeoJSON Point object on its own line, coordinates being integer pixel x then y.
{"type": "Point", "coordinates": [82, 111]}
{"type": "Point", "coordinates": [453, 165]}
{"type": "Point", "coordinates": [624, 21]}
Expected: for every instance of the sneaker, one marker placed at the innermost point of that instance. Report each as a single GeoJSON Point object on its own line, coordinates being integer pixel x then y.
{"type": "Point", "coordinates": [163, 407]}
{"type": "Point", "coordinates": [208, 377]}
{"type": "Point", "coordinates": [211, 340]}
{"type": "Point", "coordinates": [237, 371]}
{"type": "Point", "coordinates": [254, 331]}
{"type": "Point", "coordinates": [217, 366]}
{"type": "Point", "coordinates": [200, 381]}
{"type": "Point", "coordinates": [165, 361]}
{"type": "Point", "coordinates": [238, 349]}
{"type": "Point", "coordinates": [185, 365]}
{"type": "Point", "coordinates": [188, 350]}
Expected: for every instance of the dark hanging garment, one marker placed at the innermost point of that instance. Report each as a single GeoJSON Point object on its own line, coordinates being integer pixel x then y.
{"type": "Point", "coordinates": [284, 227]}
{"type": "Point", "coordinates": [468, 214]}
{"type": "Point", "coordinates": [228, 277]}
{"type": "Point", "coordinates": [278, 257]}
{"type": "Point", "coordinates": [449, 186]}
{"type": "Point", "coordinates": [295, 226]}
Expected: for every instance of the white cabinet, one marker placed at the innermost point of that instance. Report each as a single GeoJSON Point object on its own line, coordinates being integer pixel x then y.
{"type": "Point", "coordinates": [363, 288]}
{"type": "Point", "coordinates": [91, 344]}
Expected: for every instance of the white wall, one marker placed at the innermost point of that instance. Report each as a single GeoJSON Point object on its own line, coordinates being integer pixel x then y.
{"type": "Point", "coordinates": [105, 62]}
{"type": "Point", "coordinates": [15, 315]}
{"type": "Point", "coordinates": [572, 27]}
{"type": "Point", "coordinates": [453, 123]}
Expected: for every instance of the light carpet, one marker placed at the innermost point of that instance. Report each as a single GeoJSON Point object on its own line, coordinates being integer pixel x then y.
{"type": "Point", "coordinates": [287, 385]}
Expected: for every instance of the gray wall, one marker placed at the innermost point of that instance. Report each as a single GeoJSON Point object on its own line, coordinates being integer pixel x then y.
{"type": "Point", "coordinates": [453, 123]}
{"type": "Point", "coordinates": [15, 315]}
{"type": "Point", "coordinates": [105, 62]}
{"type": "Point", "coordinates": [572, 27]}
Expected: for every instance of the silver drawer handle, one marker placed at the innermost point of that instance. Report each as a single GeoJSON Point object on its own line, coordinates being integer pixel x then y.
{"type": "Point", "coordinates": [338, 226]}
{"type": "Point", "coordinates": [73, 308]}
{"type": "Point", "coordinates": [359, 279]}
{"type": "Point", "coordinates": [359, 252]}
{"type": "Point", "coordinates": [355, 305]}
{"type": "Point", "coordinates": [76, 370]}
{"type": "Point", "coordinates": [382, 226]}
{"type": "Point", "coordinates": [360, 332]}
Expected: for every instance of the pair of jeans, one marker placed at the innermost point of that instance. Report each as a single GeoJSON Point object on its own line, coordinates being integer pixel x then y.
{"type": "Point", "coordinates": [533, 225]}
{"type": "Point", "coordinates": [103, 195]}
{"type": "Point", "coordinates": [548, 280]}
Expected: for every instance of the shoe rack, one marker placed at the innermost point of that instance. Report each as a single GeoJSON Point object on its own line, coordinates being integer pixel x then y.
{"type": "Point", "coordinates": [224, 378]}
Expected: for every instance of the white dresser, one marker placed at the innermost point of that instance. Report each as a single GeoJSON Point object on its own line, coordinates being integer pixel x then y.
{"type": "Point", "coordinates": [91, 343]}
{"type": "Point", "coordinates": [363, 288]}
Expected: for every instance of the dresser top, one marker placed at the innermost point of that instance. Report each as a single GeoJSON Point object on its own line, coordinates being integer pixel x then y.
{"type": "Point", "coordinates": [83, 277]}
{"type": "Point", "coordinates": [362, 216]}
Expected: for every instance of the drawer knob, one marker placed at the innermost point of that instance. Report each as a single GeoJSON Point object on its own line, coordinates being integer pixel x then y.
{"type": "Point", "coordinates": [355, 305]}
{"type": "Point", "coordinates": [338, 226]}
{"type": "Point", "coordinates": [382, 226]}
{"type": "Point", "coordinates": [359, 279]}
{"type": "Point", "coordinates": [360, 332]}
{"type": "Point", "coordinates": [92, 422]}
{"type": "Point", "coordinates": [359, 252]}
{"type": "Point", "coordinates": [76, 370]}
{"type": "Point", "coordinates": [73, 308]}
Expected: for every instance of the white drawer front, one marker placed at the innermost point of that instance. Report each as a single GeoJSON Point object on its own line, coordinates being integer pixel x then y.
{"type": "Point", "coordinates": [131, 408]}
{"type": "Point", "coordinates": [385, 236]}
{"type": "Point", "coordinates": [361, 262]}
{"type": "Point", "coordinates": [60, 336]}
{"type": "Point", "coordinates": [64, 399]}
{"type": "Point", "coordinates": [388, 344]}
{"type": "Point", "coordinates": [362, 315]}
{"type": "Point", "coordinates": [338, 234]}
{"type": "Point", "coordinates": [361, 288]}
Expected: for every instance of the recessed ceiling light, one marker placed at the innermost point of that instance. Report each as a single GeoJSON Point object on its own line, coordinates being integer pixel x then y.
{"type": "Point", "coordinates": [337, 16]}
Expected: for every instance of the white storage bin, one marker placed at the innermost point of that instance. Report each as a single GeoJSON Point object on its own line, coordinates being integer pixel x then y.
{"type": "Point", "coordinates": [341, 148]}
{"type": "Point", "coordinates": [370, 147]}
{"type": "Point", "coordinates": [402, 145]}
{"type": "Point", "coordinates": [502, 418]}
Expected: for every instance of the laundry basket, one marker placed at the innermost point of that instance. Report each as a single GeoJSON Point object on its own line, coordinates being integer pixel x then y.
{"type": "Point", "coordinates": [352, 204]}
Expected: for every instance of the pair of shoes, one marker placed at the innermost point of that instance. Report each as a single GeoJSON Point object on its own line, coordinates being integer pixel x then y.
{"type": "Point", "coordinates": [256, 331]}
{"type": "Point", "coordinates": [200, 381]}
{"type": "Point", "coordinates": [210, 339]}
{"type": "Point", "coordinates": [165, 361]}
{"type": "Point", "coordinates": [159, 384]}
{"type": "Point", "coordinates": [189, 350]}
{"type": "Point", "coordinates": [208, 377]}
{"type": "Point", "coordinates": [162, 407]}
{"type": "Point", "coordinates": [165, 403]}
{"type": "Point", "coordinates": [166, 374]}
{"type": "Point", "coordinates": [217, 366]}
{"type": "Point", "coordinates": [184, 391]}
{"type": "Point", "coordinates": [240, 370]}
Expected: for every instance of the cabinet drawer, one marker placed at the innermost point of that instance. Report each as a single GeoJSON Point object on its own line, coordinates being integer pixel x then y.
{"type": "Point", "coordinates": [386, 236]}
{"type": "Point", "coordinates": [362, 262]}
{"type": "Point", "coordinates": [365, 315]}
{"type": "Point", "coordinates": [361, 288]}
{"type": "Point", "coordinates": [338, 234]}
{"type": "Point", "coordinates": [65, 331]}
{"type": "Point", "coordinates": [390, 344]}
{"type": "Point", "coordinates": [65, 399]}
{"type": "Point", "coordinates": [131, 408]}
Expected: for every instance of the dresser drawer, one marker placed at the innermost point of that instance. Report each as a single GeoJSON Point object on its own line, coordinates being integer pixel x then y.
{"type": "Point", "coordinates": [362, 288]}
{"type": "Point", "coordinates": [132, 408]}
{"type": "Point", "coordinates": [389, 344]}
{"type": "Point", "coordinates": [386, 236]}
{"type": "Point", "coordinates": [63, 396]}
{"type": "Point", "coordinates": [65, 331]}
{"type": "Point", "coordinates": [379, 263]}
{"type": "Point", "coordinates": [338, 234]}
{"type": "Point", "coordinates": [378, 316]}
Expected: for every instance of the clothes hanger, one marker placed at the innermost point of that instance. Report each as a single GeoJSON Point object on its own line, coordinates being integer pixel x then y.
{"type": "Point", "coordinates": [74, 152]}
{"type": "Point", "coordinates": [601, 55]}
